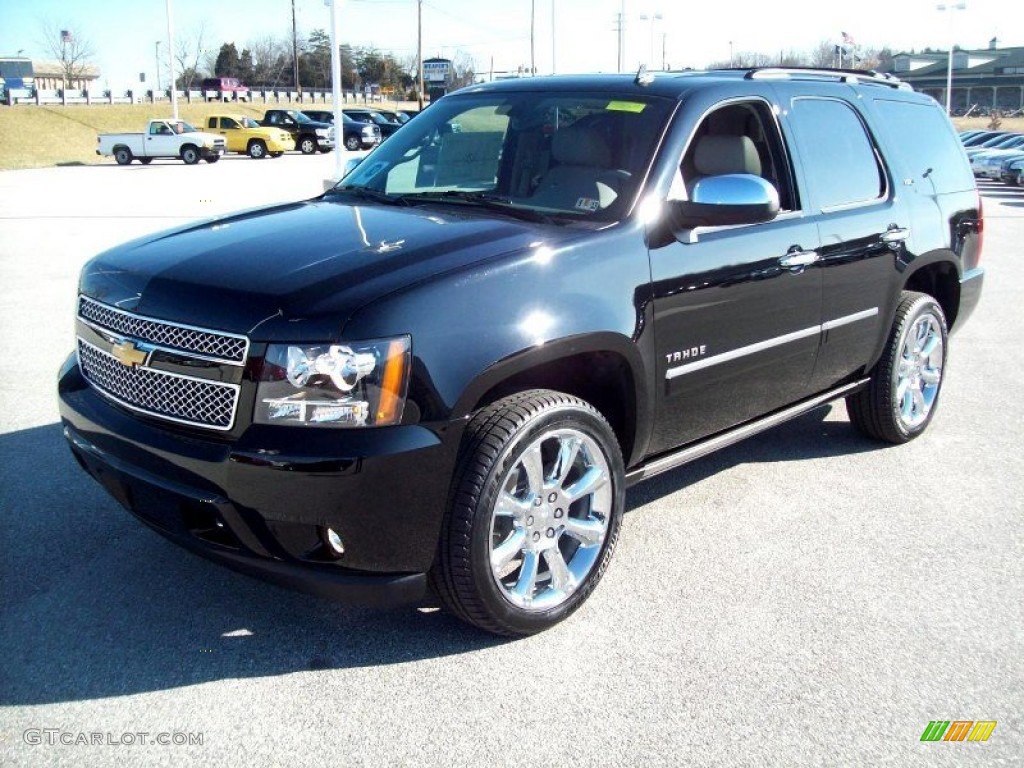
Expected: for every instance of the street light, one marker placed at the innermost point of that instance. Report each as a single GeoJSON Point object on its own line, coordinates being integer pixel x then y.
{"type": "Point", "coordinates": [949, 8]}
{"type": "Point", "coordinates": [652, 17]}
{"type": "Point", "coordinates": [158, 66]}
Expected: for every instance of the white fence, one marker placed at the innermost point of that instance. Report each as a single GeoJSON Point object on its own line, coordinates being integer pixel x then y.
{"type": "Point", "coordinates": [14, 96]}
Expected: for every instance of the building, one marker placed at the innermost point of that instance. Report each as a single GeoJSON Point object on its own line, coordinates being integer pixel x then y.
{"type": "Point", "coordinates": [44, 74]}
{"type": "Point", "coordinates": [986, 79]}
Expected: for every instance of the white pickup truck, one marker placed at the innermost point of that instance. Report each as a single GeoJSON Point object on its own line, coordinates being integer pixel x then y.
{"type": "Point", "coordinates": [163, 138]}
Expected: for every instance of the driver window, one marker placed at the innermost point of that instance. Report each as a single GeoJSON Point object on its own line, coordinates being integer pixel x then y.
{"type": "Point", "coordinates": [741, 137]}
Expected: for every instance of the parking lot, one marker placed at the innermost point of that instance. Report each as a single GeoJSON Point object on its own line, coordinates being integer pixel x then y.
{"type": "Point", "coordinates": [803, 598]}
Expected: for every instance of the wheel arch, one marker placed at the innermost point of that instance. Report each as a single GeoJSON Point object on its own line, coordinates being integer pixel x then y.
{"type": "Point", "coordinates": [940, 279]}
{"type": "Point", "coordinates": [603, 369]}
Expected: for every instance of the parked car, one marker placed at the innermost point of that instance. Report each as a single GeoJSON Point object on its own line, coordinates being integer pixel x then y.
{"type": "Point", "coordinates": [447, 369]}
{"type": "Point", "coordinates": [310, 135]}
{"type": "Point", "coordinates": [983, 160]}
{"type": "Point", "coordinates": [246, 136]}
{"type": "Point", "coordinates": [224, 89]}
{"type": "Point", "coordinates": [387, 127]}
{"type": "Point", "coordinates": [992, 164]}
{"type": "Point", "coordinates": [356, 134]}
{"type": "Point", "coordinates": [163, 138]}
{"type": "Point", "coordinates": [393, 116]}
{"type": "Point", "coordinates": [1012, 172]}
{"type": "Point", "coordinates": [977, 137]}
{"type": "Point", "coordinates": [996, 142]}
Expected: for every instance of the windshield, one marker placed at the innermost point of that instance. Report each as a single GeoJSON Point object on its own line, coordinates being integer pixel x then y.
{"type": "Point", "coordinates": [248, 122]}
{"type": "Point", "coordinates": [581, 155]}
{"type": "Point", "coordinates": [298, 116]}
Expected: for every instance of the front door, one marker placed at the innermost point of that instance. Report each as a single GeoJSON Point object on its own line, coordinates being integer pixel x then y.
{"type": "Point", "coordinates": [737, 310]}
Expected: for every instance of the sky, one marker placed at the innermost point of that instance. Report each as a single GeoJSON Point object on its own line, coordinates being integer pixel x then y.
{"type": "Point", "coordinates": [124, 32]}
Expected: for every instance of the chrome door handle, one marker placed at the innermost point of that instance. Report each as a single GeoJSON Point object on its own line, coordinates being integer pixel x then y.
{"type": "Point", "coordinates": [895, 235]}
{"type": "Point", "coordinates": [797, 258]}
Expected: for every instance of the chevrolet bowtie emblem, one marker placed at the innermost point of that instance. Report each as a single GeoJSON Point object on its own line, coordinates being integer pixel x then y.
{"type": "Point", "coordinates": [128, 354]}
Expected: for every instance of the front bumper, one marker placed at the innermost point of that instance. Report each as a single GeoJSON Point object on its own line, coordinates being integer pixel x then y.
{"type": "Point", "coordinates": [259, 504]}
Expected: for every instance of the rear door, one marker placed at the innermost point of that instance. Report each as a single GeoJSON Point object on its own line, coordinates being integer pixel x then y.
{"type": "Point", "coordinates": [862, 225]}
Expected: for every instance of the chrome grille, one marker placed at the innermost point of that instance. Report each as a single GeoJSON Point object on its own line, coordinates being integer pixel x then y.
{"type": "Point", "coordinates": [212, 345]}
{"type": "Point", "coordinates": [183, 399]}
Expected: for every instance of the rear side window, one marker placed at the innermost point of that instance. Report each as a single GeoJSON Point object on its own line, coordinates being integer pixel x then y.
{"type": "Point", "coordinates": [927, 146]}
{"type": "Point", "coordinates": [839, 158]}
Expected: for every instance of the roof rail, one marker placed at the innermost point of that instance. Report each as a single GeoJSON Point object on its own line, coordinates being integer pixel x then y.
{"type": "Point", "coordinates": [851, 76]}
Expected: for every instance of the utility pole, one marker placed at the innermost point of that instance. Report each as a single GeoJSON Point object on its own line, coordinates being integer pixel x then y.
{"type": "Point", "coordinates": [419, 50]}
{"type": "Point", "coordinates": [533, 17]}
{"type": "Point", "coordinates": [295, 52]}
{"type": "Point", "coordinates": [158, 66]}
{"type": "Point", "coordinates": [622, 35]}
{"type": "Point", "coordinates": [170, 59]}
{"type": "Point", "coordinates": [552, 37]}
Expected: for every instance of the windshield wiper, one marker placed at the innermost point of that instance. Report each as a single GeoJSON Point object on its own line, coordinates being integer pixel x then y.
{"type": "Point", "coordinates": [482, 200]}
{"type": "Point", "coordinates": [371, 194]}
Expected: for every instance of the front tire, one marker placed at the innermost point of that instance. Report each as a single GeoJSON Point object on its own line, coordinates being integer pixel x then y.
{"type": "Point", "coordinates": [189, 155]}
{"type": "Point", "coordinates": [899, 402]}
{"type": "Point", "coordinates": [257, 150]}
{"type": "Point", "coordinates": [307, 145]}
{"type": "Point", "coordinates": [534, 514]}
{"type": "Point", "coordinates": [145, 160]}
{"type": "Point", "coordinates": [352, 143]}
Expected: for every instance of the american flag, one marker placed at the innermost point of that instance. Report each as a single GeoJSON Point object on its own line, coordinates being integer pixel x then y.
{"type": "Point", "coordinates": [848, 39]}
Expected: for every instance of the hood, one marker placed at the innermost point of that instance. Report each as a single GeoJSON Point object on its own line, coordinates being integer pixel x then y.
{"type": "Point", "coordinates": [297, 271]}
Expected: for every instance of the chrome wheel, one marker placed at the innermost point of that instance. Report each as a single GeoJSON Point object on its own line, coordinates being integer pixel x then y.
{"type": "Point", "coordinates": [919, 372]}
{"type": "Point", "coordinates": [550, 519]}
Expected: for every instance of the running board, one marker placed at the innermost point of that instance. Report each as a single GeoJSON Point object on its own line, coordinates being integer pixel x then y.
{"type": "Point", "coordinates": [742, 432]}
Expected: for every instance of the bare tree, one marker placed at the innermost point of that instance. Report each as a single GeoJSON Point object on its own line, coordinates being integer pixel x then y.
{"type": "Point", "coordinates": [70, 47]}
{"type": "Point", "coordinates": [269, 57]}
{"type": "Point", "coordinates": [823, 55]}
{"type": "Point", "coordinates": [190, 51]}
{"type": "Point", "coordinates": [464, 69]}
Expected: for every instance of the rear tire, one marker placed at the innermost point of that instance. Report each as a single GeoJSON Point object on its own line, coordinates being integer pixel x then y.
{"type": "Point", "coordinates": [534, 513]}
{"type": "Point", "coordinates": [212, 159]}
{"type": "Point", "coordinates": [189, 155]}
{"type": "Point", "coordinates": [123, 156]}
{"type": "Point", "coordinates": [899, 402]}
{"type": "Point", "coordinates": [257, 150]}
{"type": "Point", "coordinates": [276, 154]}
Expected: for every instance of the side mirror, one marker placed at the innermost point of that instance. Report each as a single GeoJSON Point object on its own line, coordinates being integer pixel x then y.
{"type": "Point", "coordinates": [350, 165]}
{"type": "Point", "coordinates": [734, 198]}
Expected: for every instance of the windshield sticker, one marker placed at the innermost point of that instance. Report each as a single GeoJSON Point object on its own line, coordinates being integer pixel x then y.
{"type": "Point", "coordinates": [626, 106]}
{"type": "Point", "coordinates": [587, 204]}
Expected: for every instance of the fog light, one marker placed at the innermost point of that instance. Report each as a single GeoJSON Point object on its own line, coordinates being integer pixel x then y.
{"type": "Point", "coordinates": [334, 543]}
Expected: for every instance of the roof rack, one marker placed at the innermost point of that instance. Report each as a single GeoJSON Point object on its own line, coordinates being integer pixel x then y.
{"type": "Point", "coordinates": [851, 76]}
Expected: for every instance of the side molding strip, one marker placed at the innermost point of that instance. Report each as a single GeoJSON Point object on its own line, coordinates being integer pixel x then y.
{"type": "Point", "coordinates": [750, 349]}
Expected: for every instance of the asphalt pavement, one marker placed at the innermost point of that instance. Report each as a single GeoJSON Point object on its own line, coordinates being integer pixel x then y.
{"type": "Point", "coordinates": [804, 598]}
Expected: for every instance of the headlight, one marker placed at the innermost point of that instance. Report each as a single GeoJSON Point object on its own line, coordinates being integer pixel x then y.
{"type": "Point", "coordinates": [334, 385]}
{"type": "Point", "coordinates": [368, 131]}
{"type": "Point", "coordinates": [322, 132]}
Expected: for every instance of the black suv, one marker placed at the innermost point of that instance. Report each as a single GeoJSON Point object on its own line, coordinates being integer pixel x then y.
{"type": "Point", "coordinates": [446, 370]}
{"type": "Point", "coordinates": [357, 135]}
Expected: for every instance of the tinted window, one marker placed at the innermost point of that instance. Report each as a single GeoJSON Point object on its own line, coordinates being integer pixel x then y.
{"type": "Point", "coordinates": [926, 143]}
{"type": "Point", "coordinates": [752, 131]}
{"type": "Point", "coordinates": [839, 158]}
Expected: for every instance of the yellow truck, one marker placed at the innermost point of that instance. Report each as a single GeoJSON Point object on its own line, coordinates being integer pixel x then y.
{"type": "Point", "coordinates": [246, 136]}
